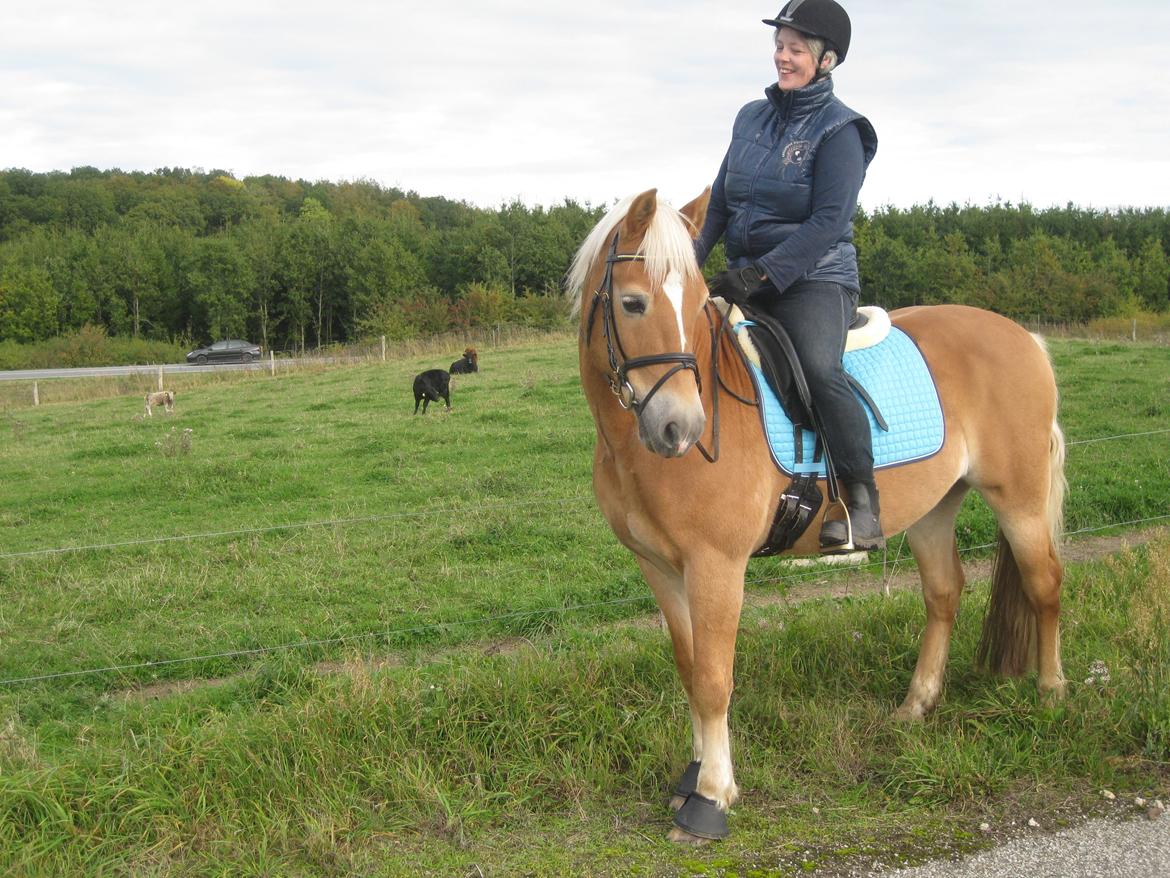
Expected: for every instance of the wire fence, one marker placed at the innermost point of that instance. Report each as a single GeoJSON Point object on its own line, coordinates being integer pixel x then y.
{"type": "Point", "coordinates": [482, 622]}
{"type": "Point", "coordinates": [367, 519]}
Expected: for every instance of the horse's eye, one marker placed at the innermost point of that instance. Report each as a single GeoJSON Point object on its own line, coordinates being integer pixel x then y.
{"type": "Point", "coordinates": [634, 304]}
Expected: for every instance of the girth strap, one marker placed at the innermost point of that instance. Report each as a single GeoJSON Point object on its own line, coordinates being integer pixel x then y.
{"type": "Point", "coordinates": [799, 504]}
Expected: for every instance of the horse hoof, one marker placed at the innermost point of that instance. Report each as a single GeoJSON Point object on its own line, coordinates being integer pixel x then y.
{"type": "Point", "coordinates": [907, 715]}
{"type": "Point", "coordinates": [681, 836]}
{"type": "Point", "coordinates": [1052, 696]}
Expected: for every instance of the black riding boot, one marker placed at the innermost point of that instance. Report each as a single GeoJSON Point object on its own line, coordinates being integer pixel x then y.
{"type": "Point", "coordinates": [861, 501]}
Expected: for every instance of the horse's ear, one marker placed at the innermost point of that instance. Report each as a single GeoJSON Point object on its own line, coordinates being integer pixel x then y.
{"type": "Point", "coordinates": [639, 215]}
{"type": "Point", "coordinates": [696, 211]}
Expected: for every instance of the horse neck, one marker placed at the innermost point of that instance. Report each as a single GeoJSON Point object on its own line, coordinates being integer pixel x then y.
{"type": "Point", "coordinates": [732, 372]}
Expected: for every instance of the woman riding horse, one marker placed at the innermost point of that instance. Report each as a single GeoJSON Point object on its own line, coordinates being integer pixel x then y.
{"type": "Point", "coordinates": [783, 202]}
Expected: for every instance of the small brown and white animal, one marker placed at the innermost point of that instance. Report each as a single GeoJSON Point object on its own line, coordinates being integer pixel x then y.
{"type": "Point", "coordinates": [165, 398]}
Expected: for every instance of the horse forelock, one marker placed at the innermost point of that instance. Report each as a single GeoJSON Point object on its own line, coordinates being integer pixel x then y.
{"type": "Point", "coordinates": [667, 246]}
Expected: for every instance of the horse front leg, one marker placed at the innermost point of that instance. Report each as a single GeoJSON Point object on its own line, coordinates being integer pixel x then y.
{"type": "Point", "coordinates": [670, 592]}
{"type": "Point", "coordinates": [714, 591]}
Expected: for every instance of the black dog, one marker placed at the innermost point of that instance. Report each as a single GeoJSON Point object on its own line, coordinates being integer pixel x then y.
{"type": "Point", "coordinates": [466, 364]}
{"type": "Point", "coordinates": [431, 386]}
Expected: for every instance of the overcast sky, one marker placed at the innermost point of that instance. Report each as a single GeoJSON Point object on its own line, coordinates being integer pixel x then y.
{"type": "Point", "coordinates": [1018, 100]}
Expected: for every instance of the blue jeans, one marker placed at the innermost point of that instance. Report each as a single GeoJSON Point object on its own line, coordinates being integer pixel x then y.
{"type": "Point", "coordinates": [817, 314]}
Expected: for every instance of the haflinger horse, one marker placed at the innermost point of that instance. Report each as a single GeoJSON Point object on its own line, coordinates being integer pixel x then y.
{"type": "Point", "coordinates": [689, 488]}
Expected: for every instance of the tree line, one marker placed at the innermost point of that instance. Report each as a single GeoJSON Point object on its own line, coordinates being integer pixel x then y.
{"type": "Point", "coordinates": [198, 255]}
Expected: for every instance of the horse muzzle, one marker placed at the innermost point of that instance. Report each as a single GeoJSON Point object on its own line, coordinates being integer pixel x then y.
{"type": "Point", "coordinates": [668, 426]}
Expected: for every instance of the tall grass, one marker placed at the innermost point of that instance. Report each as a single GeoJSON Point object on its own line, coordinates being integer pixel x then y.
{"type": "Point", "coordinates": [432, 768]}
{"type": "Point", "coordinates": [477, 692]}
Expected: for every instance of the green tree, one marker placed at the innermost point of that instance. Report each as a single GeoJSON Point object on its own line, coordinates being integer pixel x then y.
{"type": "Point", "coordinates": [221, 280]}
{"type": "Point", "coordinates": [1152, 275]}
{"type": "Point", "coordinates": [28, 304]}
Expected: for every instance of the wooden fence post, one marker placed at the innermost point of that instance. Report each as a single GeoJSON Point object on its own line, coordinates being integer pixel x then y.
{"type": "Point", "coordinates": [272, 362]}
{"type": "Point", "coordinates": [1133, 332]}
{"type": "Point", "coordinates": [36, 394]}
{"type": "Point", "coordinates": [160, 378]}
{"type": "Point", "coordinates": [383, 349]}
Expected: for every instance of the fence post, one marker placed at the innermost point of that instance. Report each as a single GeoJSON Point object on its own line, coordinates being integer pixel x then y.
{"type": "Point", "coordinates": [1133, 331]}
{"type": "Point", "coordinates": [36, 394]}
{"type": "Point", "coordinates": [160, 378]}
{"type": "Point", "coordinates": [271, 363]}
{"type": "Point", "coordinates": [383, 349]}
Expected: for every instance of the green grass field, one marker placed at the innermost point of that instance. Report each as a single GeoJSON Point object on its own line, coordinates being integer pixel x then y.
{"type": "Point", "coordinates": [418, 631]}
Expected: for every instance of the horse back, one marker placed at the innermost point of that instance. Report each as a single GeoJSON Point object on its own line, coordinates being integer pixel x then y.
{"type": "Point", "coordinates": [984, 364]}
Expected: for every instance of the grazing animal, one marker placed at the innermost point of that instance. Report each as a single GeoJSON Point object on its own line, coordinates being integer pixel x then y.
{"type": "Point", "coordinates": [466, 364]}
{"type": "Point", "coordinates": [431, 386]}
{"type": "Point", "coordinates": [655, 362]}
{"type": "Point", "coordinates": [165, 398]}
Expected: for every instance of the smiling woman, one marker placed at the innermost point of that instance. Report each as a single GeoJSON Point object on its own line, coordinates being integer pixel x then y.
{"type": "Point", "coordinates": [783, 203]}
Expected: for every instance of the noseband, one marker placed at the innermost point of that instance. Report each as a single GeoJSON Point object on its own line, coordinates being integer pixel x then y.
{"type": "Point", "coordinates": [619, 372]}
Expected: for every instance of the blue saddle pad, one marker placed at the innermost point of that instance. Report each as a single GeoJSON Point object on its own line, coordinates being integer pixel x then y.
{"type": "Point", "coordinates": [898, 381]}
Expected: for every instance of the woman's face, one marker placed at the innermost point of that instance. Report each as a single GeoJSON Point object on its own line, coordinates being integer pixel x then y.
{"type": "Point", "coordinates": [795, 63]}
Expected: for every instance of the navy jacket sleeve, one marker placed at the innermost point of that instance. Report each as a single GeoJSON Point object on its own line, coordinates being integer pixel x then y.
{"type": "Point", "coordinates": [838, 172]}
{"type": "Point", "coordinates": [716, 221]}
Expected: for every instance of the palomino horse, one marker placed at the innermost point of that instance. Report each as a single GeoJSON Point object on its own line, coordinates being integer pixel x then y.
{"type": "Point", "coordinates": [648, 348]}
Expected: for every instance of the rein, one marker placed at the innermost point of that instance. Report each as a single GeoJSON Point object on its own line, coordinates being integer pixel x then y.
{"type": "Point", "coordinates": [619, 382]}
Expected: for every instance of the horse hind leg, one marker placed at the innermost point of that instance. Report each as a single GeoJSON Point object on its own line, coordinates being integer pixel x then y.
{"type": "Point", "coordinates": [1021, 631]}
{"type": "Point", "coordinates": [932, 540]}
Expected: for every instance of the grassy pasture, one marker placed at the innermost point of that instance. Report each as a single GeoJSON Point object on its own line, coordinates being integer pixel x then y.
{"type": "Point", "coordinates": [439, 535]}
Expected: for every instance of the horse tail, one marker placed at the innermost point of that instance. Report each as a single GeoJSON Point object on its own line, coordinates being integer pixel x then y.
{"type": "Point", "coordinates": [1008, 643]}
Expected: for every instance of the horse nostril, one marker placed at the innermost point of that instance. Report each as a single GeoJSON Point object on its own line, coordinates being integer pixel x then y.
{"type": "Point", "coordinates": [671, 433]}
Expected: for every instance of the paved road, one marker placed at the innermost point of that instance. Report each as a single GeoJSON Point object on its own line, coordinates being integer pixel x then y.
{"type": "Point", "coordinates": [98, 371]}
{"type": "Point", "coordinates": [1096, 849]}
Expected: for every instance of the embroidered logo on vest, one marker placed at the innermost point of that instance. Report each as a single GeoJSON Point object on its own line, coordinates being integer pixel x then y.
{"type": "Point", "coordinates": [795, 152]}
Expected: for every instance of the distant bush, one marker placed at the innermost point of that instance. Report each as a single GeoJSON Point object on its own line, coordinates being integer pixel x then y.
{"type": "Point", "coordinates": [1146, 325]}
{"type": "Point", "coordinates": [89, 346]}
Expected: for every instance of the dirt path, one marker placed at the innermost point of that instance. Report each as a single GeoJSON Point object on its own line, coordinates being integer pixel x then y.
{"type": "Point", "coordinates": [898, 574]}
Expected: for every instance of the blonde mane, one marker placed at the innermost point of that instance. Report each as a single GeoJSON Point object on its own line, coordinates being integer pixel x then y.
{"type": "Point", "coordinates": [667, 246]}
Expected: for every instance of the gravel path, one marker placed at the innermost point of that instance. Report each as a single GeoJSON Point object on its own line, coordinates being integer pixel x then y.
{"type": "Point", "coordinates": [1096, 849]}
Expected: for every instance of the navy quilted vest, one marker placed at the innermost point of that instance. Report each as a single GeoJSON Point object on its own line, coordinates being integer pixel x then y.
{"type": "Point", "coordinates": [769, 175]}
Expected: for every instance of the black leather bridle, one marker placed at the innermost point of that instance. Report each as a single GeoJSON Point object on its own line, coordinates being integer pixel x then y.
{"type": "Point", "coordinates": [619, 371]}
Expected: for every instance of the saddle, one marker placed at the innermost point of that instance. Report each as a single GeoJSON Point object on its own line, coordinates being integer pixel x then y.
{"type": "Point", "coordinates": [901, 404]}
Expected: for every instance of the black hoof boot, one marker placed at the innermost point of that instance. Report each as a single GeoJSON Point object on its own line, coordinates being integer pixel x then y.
{"type": "Point", "coordinates": [861, 531]}
{"type": "Point", "coordinates": [702, 818]}
{"type": "Point", "coordinates": [689, 780]}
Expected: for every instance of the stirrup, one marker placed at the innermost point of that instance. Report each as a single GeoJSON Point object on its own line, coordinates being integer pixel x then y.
{"type": "Point", "coordinates": [838, 548]}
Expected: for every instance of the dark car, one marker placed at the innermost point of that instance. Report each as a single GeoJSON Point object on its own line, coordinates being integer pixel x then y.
{"type": "Point", "coordinates": [232, 350]}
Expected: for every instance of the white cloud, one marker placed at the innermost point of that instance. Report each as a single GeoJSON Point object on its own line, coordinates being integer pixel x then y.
{"type": "Point", "coordinates": [505, 99]}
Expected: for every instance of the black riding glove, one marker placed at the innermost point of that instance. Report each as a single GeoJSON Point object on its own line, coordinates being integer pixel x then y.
{"type": "Point", "coordinates": [737, 284]}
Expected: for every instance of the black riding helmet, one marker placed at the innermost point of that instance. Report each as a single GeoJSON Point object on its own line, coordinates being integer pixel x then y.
{"type": "Point", "coordinates": [817, 18]}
